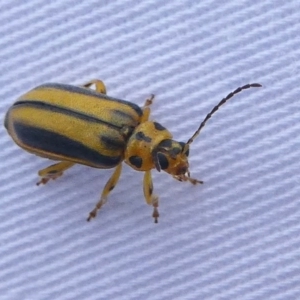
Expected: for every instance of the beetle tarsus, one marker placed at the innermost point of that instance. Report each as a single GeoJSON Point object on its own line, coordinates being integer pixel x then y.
{"type": "Point", "coordinates": [92, 215]}
{"type": "Point", "coordinates": [195, 181]}
{"type": "Point", "coordinates": [45, 178]}
{"type": "Point", "coordinates": [155, 214]}
{"type": "Point", "coordinates": [43, 181]}
{"type": "Point", "coordinates": [183, 178]}
{"type": "Point", "coordinates": [149, 101]}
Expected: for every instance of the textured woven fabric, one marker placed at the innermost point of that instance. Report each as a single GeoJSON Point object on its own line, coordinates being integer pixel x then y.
{"type": "Point", "coordinates": [237, 236]}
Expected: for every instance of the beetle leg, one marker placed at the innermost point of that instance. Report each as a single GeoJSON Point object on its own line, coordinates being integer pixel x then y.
{"type": "Point", "coordinates": [146, 108]}
{"type": "Point", "coordinates": [99, 85]}
{"type": "Point", "coordinates": [109, 186]}
{"type": "Point", "coordinates": [150, 198]}
{"type": "Point", "coordinates": [149, 101]}
{"type": "Point", "coordinates": [53, 171]}
{"type": "Point", "coordinates": [187, 178]}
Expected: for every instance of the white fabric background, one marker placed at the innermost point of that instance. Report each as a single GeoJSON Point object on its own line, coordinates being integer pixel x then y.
{"type": "Point", "coordinates": [235, 237]}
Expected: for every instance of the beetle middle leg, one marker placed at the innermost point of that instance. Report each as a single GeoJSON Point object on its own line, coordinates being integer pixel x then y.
{"type": "Point", "coordinates": [53, 171]}
{"type": "Point", "coordinates": [99, 85]}
{"type": "Point", "coordinates": [109, 186]}
{"type": "Point", "coordinates": [150, 198]}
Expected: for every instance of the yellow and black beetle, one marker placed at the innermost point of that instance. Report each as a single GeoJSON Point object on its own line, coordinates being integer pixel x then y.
{"type": "Point", "coordinates": [77, 124]}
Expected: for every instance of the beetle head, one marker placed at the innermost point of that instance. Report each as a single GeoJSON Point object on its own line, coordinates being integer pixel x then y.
{"type": "Point", "coordinates": [172, 157]}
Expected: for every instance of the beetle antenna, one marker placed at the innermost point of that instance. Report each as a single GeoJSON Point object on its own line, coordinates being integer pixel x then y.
{"type": "Point", "coordinates": [247, 86]}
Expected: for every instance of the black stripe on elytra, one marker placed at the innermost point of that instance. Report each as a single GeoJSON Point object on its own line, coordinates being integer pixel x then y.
{"type": "Point", "coordinates": [89, 92]}
{"type": "Point", "coordinates": [58, 144]}
{"type": "Point", "coordinates": [62, 110]}
{"type": "Point", "coordinates": [122, 117]}
{"type": "Point", "coordinates": [109, 142]}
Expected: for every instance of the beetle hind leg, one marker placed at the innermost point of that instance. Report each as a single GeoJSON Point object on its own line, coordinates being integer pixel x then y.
{"type": "Point", "coordinates": [53, 171]}
{"type": "Point", "coordinates": [99, 85]}
{"type": "Point", "coordinates": [109, 186]}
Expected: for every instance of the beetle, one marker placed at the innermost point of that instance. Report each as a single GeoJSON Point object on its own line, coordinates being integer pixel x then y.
{"type": "Point", "coordinates": [82, 125]}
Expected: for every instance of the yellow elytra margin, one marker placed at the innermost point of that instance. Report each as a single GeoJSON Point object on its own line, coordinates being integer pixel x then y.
{"type": "Point", "coordinates": [76, 124]}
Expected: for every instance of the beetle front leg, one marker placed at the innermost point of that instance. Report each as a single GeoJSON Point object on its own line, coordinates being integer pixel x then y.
{"type": "Point", "coordinates": [99, 85]}
{"type": "Point", "coordinates": [187, 178]}
{"type": "Point", "coordinates": [146, 108]}
{"type": "Point", "coordinates": [109, 186]}
{"type": "Point", "coordinates": [150, 198]}
{"type": "Point", "coordinates": [53, 171]}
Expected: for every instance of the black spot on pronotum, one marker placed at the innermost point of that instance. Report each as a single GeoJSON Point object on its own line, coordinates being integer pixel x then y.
{"type": "Point", "coordinates": [136, 161]}
{"type": "Point", "coordinates": [163, 161]}
{"type": "Point", "coordinates": [140, 136]}
{"type": "Point", "coordinates": [111, 188]}
{"type": "Point", "coordinates": [158, 126]}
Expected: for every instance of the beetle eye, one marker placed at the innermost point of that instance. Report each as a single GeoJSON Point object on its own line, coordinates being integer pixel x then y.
{"type": "Point", "coordinates": [163, 161]}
